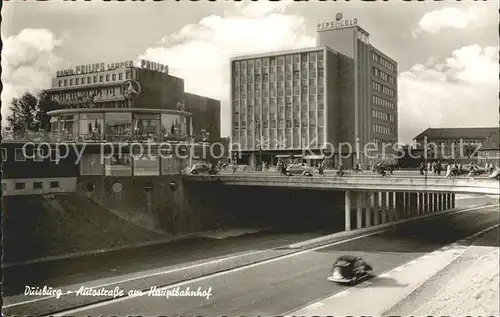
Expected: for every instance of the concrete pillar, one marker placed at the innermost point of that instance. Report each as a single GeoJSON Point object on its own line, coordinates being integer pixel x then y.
{"type": "Point", "coordinates": [436, 202]}
{"type": "Point", "coordinates": [413, 204]}
{"type": "Point", "coordinates": [359, 209]}
{"type": "Point", "coordinates": [445, 201]}
{"type": "Point", "coordinates": [400, 205]}
{"type": "Point", "coordinates": [383, 206]}
{"type": "Point", "coordinates": [426, 208]}
{"type": "Point", "coordinates": [431, 202]}
{"type": "Point", "coordinates": [420, 209]}
{"type": "Point", "coordinates": [376, 208]}
{"type": "Point", "coordinates": [368, 210]}
{"type": "Point", "coordinates": [452, 200]}
{"type": "Point", "coordinates": [391, 209]}
{"type": "Point", "coordinates": [407, 206]}
{"type": "Point", "coordinates": [347, 210]}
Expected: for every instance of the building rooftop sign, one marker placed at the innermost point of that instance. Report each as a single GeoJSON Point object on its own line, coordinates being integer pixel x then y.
{"type": "Point", "coordinates": [337, 24]}
{"type": "Point", "coordinates": [101, 67]}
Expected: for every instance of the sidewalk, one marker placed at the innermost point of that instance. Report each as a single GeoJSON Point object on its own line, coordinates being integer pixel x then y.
{"type": "Point", "coordinates": [375, 296]}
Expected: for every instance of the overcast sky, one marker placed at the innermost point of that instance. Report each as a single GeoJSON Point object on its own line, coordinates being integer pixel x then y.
{"type": "Point", "coordinates": [447, 52]}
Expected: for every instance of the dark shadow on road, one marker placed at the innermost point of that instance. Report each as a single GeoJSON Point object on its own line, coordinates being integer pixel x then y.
{"type": "Point", "coordinates": [385, 282]}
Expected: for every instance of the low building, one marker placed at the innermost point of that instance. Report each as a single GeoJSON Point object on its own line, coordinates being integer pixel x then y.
{"type": "Point", "coordinates": [461, 145]}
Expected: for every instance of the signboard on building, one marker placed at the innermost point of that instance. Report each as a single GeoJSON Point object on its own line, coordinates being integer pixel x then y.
{"type": "Point", "coordinates": [154, 66]}
{"type": "Point", "coordinates": [339, 23]}
{"type": "Point", "coordinates": [94, 68]}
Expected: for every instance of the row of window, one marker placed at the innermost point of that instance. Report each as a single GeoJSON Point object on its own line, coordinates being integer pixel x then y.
{"type": "Point", "coordinates": [382, 88]}
{"type": "Point", "coordinates": [298, 103]}
{"type": "Point", "coordinates": [382, 115]}
{"type": "Point", "coordinates": [237, 88]}
{"type": "Point", "coordinates": [279, 60]}
{"type": "Point", "coordinates": [450, 142]}
{"type": "Point", "coordinates": [382, 61]}
{"type": "Point", "coordinates": [93, 79]}
{"type": "Point", "coordinates": [279, 139]}
{"type": "Point", "coordinates": [69, 96]}
{"type": "Point", "coordinates": [287, 69]}
{"type": "Point", "coordinates": [35, 185]}
{"type": "Point", "coordinates": [282, 123]}
{"type": "Point", "coordinates": [382, 129]}
{"type": "Point", "coordinates": [383, 102]}
{"type": "Point", "coordinates": [383, 75]}
{"type": "Point", "coordinates": [279, 77]}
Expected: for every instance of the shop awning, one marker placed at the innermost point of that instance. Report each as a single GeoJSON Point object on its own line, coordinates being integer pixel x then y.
{"type": "Point", "coordinates": [315, 157]}
{"type": "Point", "coordinates": [288, 156]}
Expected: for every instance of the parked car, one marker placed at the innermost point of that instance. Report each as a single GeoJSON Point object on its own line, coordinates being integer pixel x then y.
{"type": "Point", "coordinates": [299, 169]}
{"type": "Point", "coordinates": [478, 170]}
{"type": "Point", "coordinates": [495, 174]}
{"type": "Point", "coordinates": [202, 168]}
{"type": "Point", "coordinates": [350, 269]}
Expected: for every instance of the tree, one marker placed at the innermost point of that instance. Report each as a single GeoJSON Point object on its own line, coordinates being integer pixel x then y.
{"type": "Point", "coordinates": [44, 105]}
{"type": "Point", "coordinates": [23, 113]}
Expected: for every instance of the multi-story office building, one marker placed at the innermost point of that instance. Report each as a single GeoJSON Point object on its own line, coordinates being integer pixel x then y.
{"type": "Point", "coordinates": [343, 91]}
{"type": "Point", "coordinates": [375, 106]}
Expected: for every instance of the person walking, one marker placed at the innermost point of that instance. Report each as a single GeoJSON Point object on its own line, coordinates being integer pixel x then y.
{"type": "Point", "coordinates": [321, 168]}
{"type": "Point", "coordinates": [448, 171]}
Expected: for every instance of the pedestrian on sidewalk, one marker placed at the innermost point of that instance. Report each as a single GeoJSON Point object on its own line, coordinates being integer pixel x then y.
{"type": "Point", "coordinates": [448, 171]}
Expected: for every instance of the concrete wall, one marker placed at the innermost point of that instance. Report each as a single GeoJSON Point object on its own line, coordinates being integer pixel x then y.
{"type": "Point", "coordinates": [197, 206]}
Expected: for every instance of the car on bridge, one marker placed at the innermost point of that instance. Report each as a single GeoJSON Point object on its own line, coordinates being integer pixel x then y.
{"type": "Point", "coordinates": [202, 168]}
{"type": "Point", "coordinates": [495, 174]}
{"type": "Point", "coordinates": [349, 269]}
{"type": "Point", "coordinates": [478, 170]}
{"type": "Point", "coordinates": [299, 169]}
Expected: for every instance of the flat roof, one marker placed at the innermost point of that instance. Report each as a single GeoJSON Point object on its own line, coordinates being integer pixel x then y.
{"type": "Point", "coordinates": [282, 52]}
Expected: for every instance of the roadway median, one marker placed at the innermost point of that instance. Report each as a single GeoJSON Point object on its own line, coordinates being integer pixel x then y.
{"type": "Point", "coordinates": [184, 272]}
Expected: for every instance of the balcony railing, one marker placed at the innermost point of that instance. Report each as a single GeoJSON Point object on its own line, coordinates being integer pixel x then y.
{"type": "Point", "coordinates": [60, 137]}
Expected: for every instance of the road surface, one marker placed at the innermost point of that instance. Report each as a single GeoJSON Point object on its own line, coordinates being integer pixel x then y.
{"type": "Point", "coordinates": [283, 285]}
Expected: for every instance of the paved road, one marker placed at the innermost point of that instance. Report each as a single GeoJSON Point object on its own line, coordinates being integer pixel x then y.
{"type": "Point", "coordinates": [283, 285]}
{"type": "Point", "coordinates": [61, 273]}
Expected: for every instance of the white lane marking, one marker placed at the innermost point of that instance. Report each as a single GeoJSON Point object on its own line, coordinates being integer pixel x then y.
{"type": "Point", "coordinates": [386, 274]}
{"type": "Point", "coordinates": [109, 302]}
{"type": "Point", "coordinates": [340, 294]}
{"type": "Point", "coordinates": [201, 278]}
{"type": "Point", "coordinates": [315, 306]}
{"type": "Point", "coordinates": [141, 277]}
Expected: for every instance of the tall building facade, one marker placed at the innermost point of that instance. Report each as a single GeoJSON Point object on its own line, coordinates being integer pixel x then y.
{"type": "Point", "coordinates": [342, 91]}
{"type": "Point", "coordinates": [375, 78]}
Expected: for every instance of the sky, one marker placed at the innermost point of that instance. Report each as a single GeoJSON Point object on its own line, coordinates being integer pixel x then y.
{"type": "Point", "coordinates": [447, 52]}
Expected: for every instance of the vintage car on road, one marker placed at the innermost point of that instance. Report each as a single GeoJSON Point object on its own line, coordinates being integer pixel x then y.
{"type": "Point", "coordinates": [350, 269]}
{"type": "Point", "coordinates": [299, 169]}
{"type": "Point", "coordinates": [202, 168]}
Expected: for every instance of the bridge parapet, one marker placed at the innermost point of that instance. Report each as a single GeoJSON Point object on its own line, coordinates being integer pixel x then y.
{"type": "Point", "coordinates": [394, 183]}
